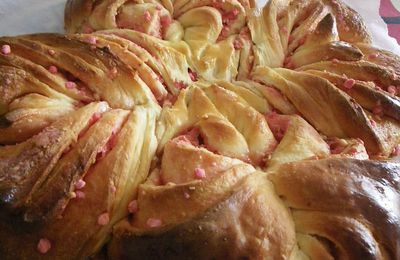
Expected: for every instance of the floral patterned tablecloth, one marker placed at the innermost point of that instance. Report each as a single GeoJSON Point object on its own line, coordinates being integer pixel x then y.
{"type": "Point", "coordinates": [390, 12]}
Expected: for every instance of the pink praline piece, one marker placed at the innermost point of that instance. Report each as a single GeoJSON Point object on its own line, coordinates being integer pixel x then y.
{"type": "Point", "coordinates": [70, 85]}
{"type": "Point", "coordinates": [80, 184]}
{"type": "Point", "coordinates": [53, 69]}
{"type": "Point", "coordinates": [6, 49]}
{"type": "Point", "coordinates": [154, 222]}
{"type": "Point", "coordinates": [44, 245]}
{"type": "Point", "coordinates": [199, 173]}
{"type": "Point", "coordinates": [103, 219]}
{"type": "Point", "coordinates": [133, 206]}
{"type": "Point", "coordinates": [349, 83]}
{"type": "Point", "coordinates": [79, 194]}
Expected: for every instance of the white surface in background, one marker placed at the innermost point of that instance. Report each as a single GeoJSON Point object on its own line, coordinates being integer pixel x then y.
{"type": "Point", "coordinates": [31, 16]}
{"type": "Point", "coordinates": [369, 9]}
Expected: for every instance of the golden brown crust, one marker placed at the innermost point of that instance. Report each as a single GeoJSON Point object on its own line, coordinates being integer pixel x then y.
{"type": "Point", "coordinates": [360, 70]}
{"type": "Point", "coordinates": [91, 66]}
{"type": "Point", "coordinates": [381, 57]}
{"type": "Point", "coordinates": [365, 94]}
{"type": "Point", "coordinates": [257, 229]}
{"type": "Point", "coordinates": [111, 183]}
{"type": "Point", "coordinates": [348, 205]}
{"type": "Point", "coordinates": [219, 114]}
{"type": "Point", "coordinates": [321, 104]}
{"type": "Point", "coordinates": [300, 141]}
{"type": "Point", "coordinates": [351, 26]}
{"type": "Point", "coordinates": [75, 13]}
{"type": "Point", "coordinates": [30, 162]}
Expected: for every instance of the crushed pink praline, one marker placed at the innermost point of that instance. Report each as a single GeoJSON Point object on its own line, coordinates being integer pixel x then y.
{"type": "Point", "coordinates": [165, 21]}
{"type": "Point", "coordinates": [6, 49]}
{"type": "Point", "coordinates": [80, 194]}
{"type": "Point", "coordinates": [392, 90]}
{"type": "Point", "coordinates": [237, 44]}
{"type": "Point", "coordinates": [44, 245]}
{"type": "Point", "coordinates": [373, 56]}
{"type": "Point", "coordinates": [302, 40]}
{"type": "Point", "coordinates": [95, 117]}
{"type": "Point", "coordinates": [147, 16]}
{"type": "Point", "coordinates": [80, 184]}
{"type": "Point", "coordinates": [193, 75]}
{"type": "Point", "coordinates": [103, 219]}
{"type": "Point", "coordinates": [186, 195]}
{"type": "Point", "coordinates": [113, 73]}
{"type": "Point", "coordinates": [180, 84]}
{"type": "Point", "coordinates": [199, 173]}
{"type": "Point", "coordinates": [235, 12]}
{"type": "Point", "coordinates": [70, 85]}
{"type": "Point", "coordinates": [53, 69]}
{"type": "Point", "coordinates": [92, 40]}
{"type": "Point", "coordinates": [133, 206]}
{"type": "Point", "coordinates": [287, 63]}
{"type": "Point", "coordinates": [154, 222]}
{"type": "Point", "coordinates": [396, 150]}
{"type": "Point", "coordinates": [224, 31]}
{"type": "Point", "coordinates": [349, 83]}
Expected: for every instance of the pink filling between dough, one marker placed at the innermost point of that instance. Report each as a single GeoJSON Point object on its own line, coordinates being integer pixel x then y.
{"type": "Point", "coordinates": [180, 85]}
{"type": "Point", "coordinates": [191, 137]}
{"type": "Point", "coordinates": [392, 90]}
{"type": "Point", "coordinates": [147, 16]}
{"type": "Point", "coordinates": [112, 141]}
{"type": "Point", "coordinates": [278, 125]}
{"type": "Point", "coordinates": [237, 44]}
{"type": "Point", "coordinates": [193, 75]}
{"type": "Point", "coordinates": [95, 117]}
{"type": "Point", "coordinates": [396, 151]}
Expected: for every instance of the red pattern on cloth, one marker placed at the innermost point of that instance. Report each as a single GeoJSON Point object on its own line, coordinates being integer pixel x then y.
{"type": "Point", "coordinates": [388, 9]}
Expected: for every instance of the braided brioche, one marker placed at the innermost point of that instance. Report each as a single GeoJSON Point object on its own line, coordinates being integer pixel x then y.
{"type": "Point", "coordinates": [200, 130]}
